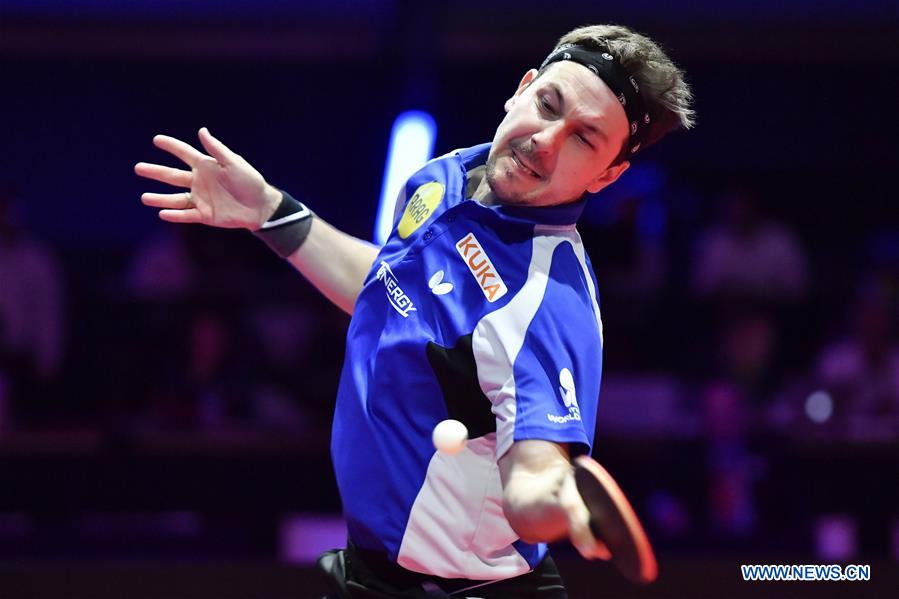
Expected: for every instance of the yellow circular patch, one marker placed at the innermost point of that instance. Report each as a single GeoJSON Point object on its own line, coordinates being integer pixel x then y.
{"type": "Point", "coordinates": [423, 203]}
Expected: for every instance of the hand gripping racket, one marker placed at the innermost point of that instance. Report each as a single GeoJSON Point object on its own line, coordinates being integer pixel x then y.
{"type": "Point", "coordinates": [613, 521]}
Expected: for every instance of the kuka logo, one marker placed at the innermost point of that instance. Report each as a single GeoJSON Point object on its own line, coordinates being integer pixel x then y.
{"type": "Point", "coordinates": [481, 267]}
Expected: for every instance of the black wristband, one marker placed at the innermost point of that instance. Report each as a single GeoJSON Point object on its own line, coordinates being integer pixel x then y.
{"type": "Point", "coordinates": [288, 227]}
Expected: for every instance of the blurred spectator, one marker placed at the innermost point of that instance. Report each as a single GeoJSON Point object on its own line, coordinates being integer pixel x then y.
{"type": "Point", "coordinates": [748, 346]}
{"type": "Point", "coordinates": [747, 255]}
{"type": "Point", "coordinates": [187, 263]}
{"type": "Point", "coordinates": [731, 468]}
{"type": "Point", "coordinates": [164, 277]}
{"type": "Point", "coordinates": [861, 371]}
{"type": "Point", "coordinates": [631, 249]}
{"type": "Point", "coordinates": [164, 268]}
{"type": "Point", "coordinates": [625, 234]}
{"type": "Point", "coordinates": [31, 319]}
{"type": "Point", "coordinates": [287, 391]}
{"type": "Point", "coordinates": [749, 272]}
{"type": "Point", "coordinates": [192, 290]}
{"type": "Point", "coordinates": [205, 385]}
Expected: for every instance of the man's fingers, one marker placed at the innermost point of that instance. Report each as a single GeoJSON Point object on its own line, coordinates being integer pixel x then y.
{"type": "Point", "coordinates": [189, 216]}
{"type": "Point", "coordinates": [164, 174]}
{"type": "Point", "coordinates": [600, 551]}
{"type": "Point", "coordinates": [586, 544]}
{"type": "Point", "coordinates": [174, 201]}
{"type": "Point", "coordinates": [579, 522]}
{"type": "Point", "coordinates": [216, 149]}
{"type": "Point", "coordinates": [186, 152]}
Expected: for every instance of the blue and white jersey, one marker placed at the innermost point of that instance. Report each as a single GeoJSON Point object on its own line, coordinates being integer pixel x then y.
{"type": "Point", "coordinates": [484, 314]}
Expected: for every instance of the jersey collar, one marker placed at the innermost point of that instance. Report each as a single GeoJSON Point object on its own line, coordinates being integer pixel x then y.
{"type": "Point", "coordinates": [564, 214]}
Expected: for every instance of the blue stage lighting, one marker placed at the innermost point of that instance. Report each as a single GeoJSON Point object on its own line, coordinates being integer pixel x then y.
{"type": "Point", "coordinates": [411, 146]}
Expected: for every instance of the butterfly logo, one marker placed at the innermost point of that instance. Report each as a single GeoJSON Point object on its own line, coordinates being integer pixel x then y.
{"type": "Point", "coordinates": [438, 287]}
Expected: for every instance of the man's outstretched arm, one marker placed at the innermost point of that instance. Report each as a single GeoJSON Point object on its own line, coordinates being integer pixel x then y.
{"type": "Point", "coordinates": [226, 191]}
{"type": "Point", "coordinates": [336, 263]}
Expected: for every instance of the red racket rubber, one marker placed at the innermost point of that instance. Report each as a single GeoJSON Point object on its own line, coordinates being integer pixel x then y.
{"type": "Point", "coordinates": [613, 521]}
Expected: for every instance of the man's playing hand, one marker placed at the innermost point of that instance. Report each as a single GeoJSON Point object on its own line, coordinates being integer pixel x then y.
{"type": "Point", "coordinates": [224, 189]}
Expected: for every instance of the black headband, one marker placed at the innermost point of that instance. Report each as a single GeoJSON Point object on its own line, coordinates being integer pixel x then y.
{"type": "Point", "coordinates": [622, 84]}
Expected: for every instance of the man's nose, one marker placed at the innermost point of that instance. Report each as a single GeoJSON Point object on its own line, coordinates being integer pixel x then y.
{"type": "Point", "coordinates": [548, 139]}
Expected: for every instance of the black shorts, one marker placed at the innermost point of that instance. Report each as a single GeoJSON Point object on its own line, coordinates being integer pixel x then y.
{"type": "Point", "coordinates": [360, 574]}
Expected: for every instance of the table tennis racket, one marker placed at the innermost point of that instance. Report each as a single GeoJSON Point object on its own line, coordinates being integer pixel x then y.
{"type": "Point", "coordinates": [613, 521]}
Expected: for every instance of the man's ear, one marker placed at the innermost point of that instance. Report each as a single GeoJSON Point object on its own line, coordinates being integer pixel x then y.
{"type": "Point", "coordinates": [609, 176]}
{"type": "Point", "coordinates": [525, 82]}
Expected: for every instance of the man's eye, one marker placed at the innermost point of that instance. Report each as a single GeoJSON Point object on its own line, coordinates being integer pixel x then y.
{"type": "Point", "coordinates": [584, 141]}
{"type": "Point", "coordinates": [544, 103]}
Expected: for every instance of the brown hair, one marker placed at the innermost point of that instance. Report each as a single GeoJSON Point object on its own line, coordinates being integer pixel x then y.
{"type": "Point", "coordinates": [662, 86]}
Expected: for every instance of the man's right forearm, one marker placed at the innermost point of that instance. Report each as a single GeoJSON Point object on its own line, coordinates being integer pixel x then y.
{"type": "Point", "coordinates": [336, 263]}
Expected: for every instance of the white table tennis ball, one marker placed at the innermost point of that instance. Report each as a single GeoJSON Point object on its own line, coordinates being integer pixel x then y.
{"type": "Point", "coordinates": [450, 436]}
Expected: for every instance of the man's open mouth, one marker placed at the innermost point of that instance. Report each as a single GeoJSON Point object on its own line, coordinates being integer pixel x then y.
{"type": "Point", "coordinates": [525, 168]}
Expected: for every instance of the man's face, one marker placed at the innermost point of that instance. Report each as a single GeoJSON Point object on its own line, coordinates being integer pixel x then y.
{"type": "Point", "coordinates": [561, 132]}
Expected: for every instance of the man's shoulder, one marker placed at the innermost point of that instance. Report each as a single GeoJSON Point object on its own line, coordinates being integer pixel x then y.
{"type": "Point", "coordinates": [468, 157]}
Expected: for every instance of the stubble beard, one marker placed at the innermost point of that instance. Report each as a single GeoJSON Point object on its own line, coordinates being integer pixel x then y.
{"type": "Point", "coordinates": [496, 186]}
{"type": "Point", "coordinates": [537, 197]}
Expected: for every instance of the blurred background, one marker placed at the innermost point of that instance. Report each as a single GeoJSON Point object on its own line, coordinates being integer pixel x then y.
{"type": "Point", "coordinates": [166, 392]}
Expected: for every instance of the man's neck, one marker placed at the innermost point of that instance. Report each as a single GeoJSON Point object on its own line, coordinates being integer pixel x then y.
{"type": "Point", "coordinates": [477, 188]}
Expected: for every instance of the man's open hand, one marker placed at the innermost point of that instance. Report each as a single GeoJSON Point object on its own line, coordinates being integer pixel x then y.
{"type": "Point", "coordinates": [224, 190]}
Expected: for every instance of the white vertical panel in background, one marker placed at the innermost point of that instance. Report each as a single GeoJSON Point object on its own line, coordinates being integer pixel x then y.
{"type": "Point", "coordinates": [411, 146]}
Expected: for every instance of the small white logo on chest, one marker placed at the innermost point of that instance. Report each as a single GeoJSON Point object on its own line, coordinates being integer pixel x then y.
{"type": "Point", "coordinates": [438, 287]}
{"type": "Point", "coordinates": [481, 267]}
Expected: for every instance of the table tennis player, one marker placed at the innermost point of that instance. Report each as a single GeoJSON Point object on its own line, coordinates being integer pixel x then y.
{"type": "Point", "coordinates": [482, 307]}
